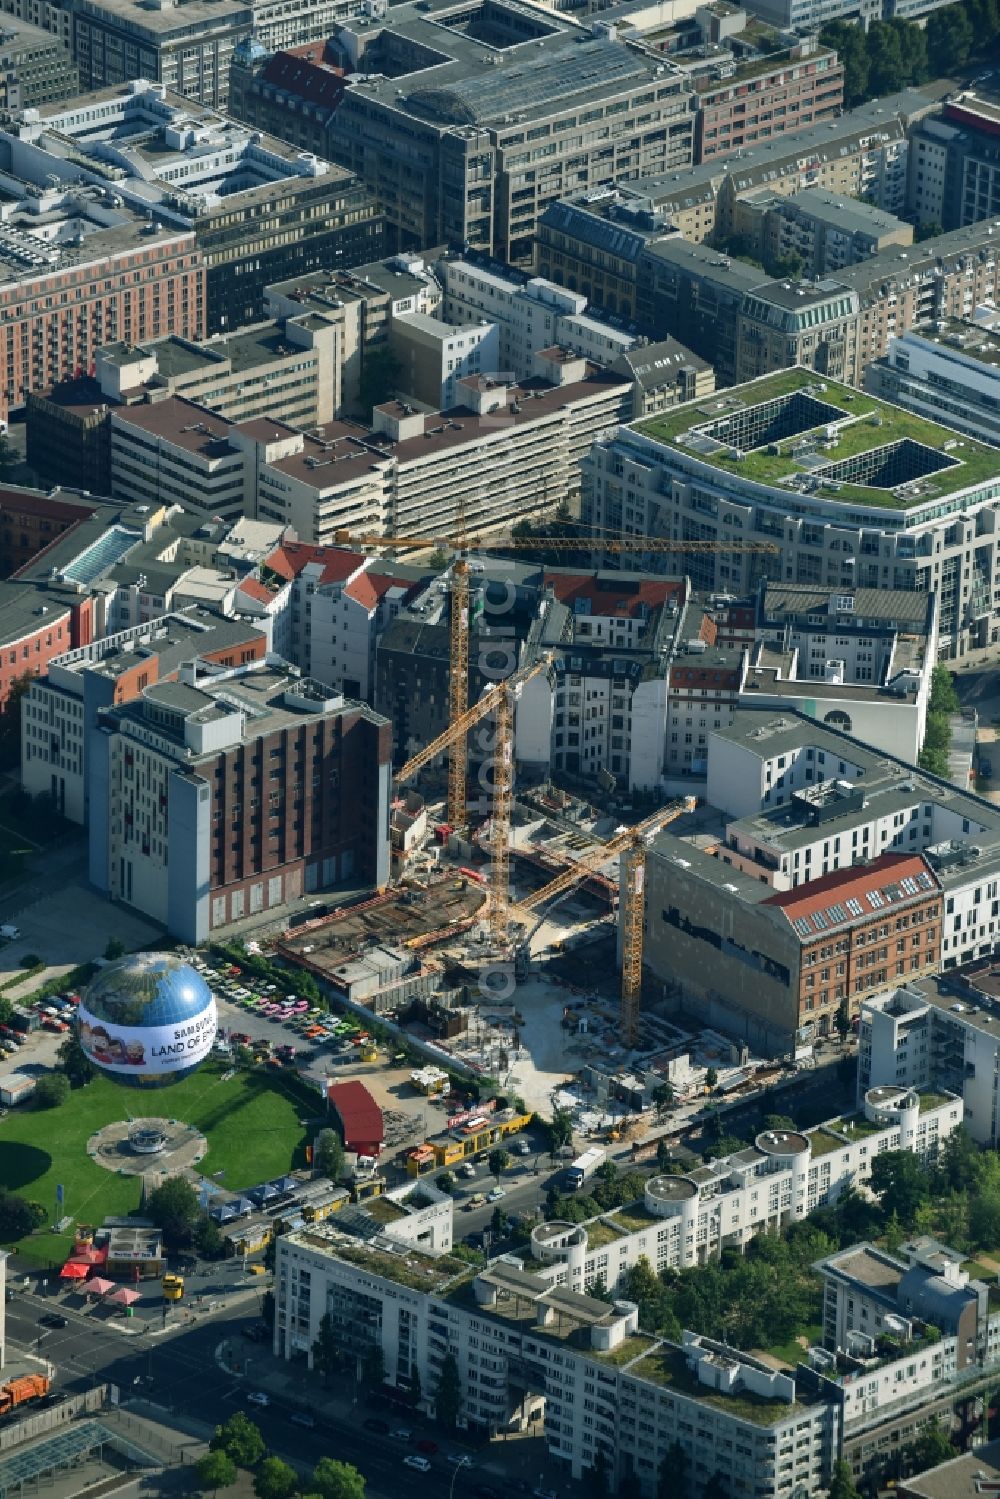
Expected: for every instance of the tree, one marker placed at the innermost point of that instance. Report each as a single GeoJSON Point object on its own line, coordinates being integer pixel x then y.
{"type": "Point", "coordinates": [848, 39]}
{"type": "Point", "coordinates": [788, 267]}
{"type": "Point", "coordinates": [239, 1439]}
{"type": "Point", "coordinates": [498, 1161]}
{"type": "Point", "coordinates": [885, 59]}
{"type": "Point", "coordinates": [943, 698]}
{"type": "Point", "coordinates": [595, 1478]}
{"type": "Point", "coordinates": [373, 1365]}
{"type": "Point", "coordinates": [673, 1478]}
{"type": "Point", "coordinates": [446, 1182]}
{"type": "Point", "coordinates": [10, 722]}
{"type": "Point", "coordinates": [115, 949]}
{"type": "Point", "coordinates": [448, 1392]}
{"type": "Point", "coordinates": [379, 376]}
{"type": "Point", "coordinates": [842, 1020]}
{"type": "Point", "coordinates": [208, 1238]}
{"type": "Point", "coordinates": [779, 1122]}
{"type": "Point", "coordinates": [932, 1446]}
{"type": "Point", "coordinates": [173, 1207]}
{"type": "Point", "coordinates": [275, 1479]}
{"type": "Point", "coordinates": [75, 1062]}
{"type": "Point", "coordinates": [662, 1154]}
{"type": "Point", "coordinates": [959, 1160]}
{"type": "Point", "coordinates": [711, 1078]}
{"type": "Point", "coordinates": [18, 1216]}
{"type": "Point", "coordinates": [663, 1099]}
{"type": "Point", "coordinates": [912, 50]}
{"type": "Point", "coordinates": [716, 1487]}
{"type": "Point", "coordinates": [560, 1129]}
{"type": "Point", "coordinates": [949, 40]}
{"type": "Point", "coordinates": [900, 1183]}
{"type": "Point", "coordinates": [325, 1349]}
{"type": "Point", "coordinates": [215, 1470]}
{"type": "Point", "coordinates": [335, 1480]}
{"type": "Point", "coordinates": [328, 1154]}
{"type": "Point", "coordinates": [6, 1009]}
{"type": "Point", "coordinates": [51, 1090]}
{"type": "Point", "coordinates": [842, 1484]}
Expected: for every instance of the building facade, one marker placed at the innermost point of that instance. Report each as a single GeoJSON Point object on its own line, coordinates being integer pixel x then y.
{"type": "Point", "coordinates": [230, 793]}
{"type": "Point", "coordinates": [949, 373]}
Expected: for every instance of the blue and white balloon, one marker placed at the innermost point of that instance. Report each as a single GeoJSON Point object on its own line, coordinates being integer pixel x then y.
{"type": "Point", "coordinates": [147, 1020]}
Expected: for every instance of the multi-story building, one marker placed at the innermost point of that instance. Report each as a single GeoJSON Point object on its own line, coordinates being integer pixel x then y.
{"type": "Point", "coordinates": [286, 370]}
{"type": "Point", "coordinates": [362, 304]}
{"type": "Point", "coordinates": [47, 15]}
{"type": "Point", "coordinates": [954, 167]}
{"type": "Point", "coordinates": [664, 374]}
{"type": "Point", "coordinates": [291, 93]}
{"type": "Point", "coordinates": [78, 271]}
{"type": "Point", "coordinates": [856, 493]}
{"type": "Point", "coordinates": [803, 803]}
{"type": "Point", "coordinates": [941, 1032]}
{"type": "Point", "coordinates": [532, 1346]}
{"type": "Point", "coordinates": [462, 153]}
{"type": "Point", "coordinates": [503, 453]}
{"type": "Point", "coordinates": [35, 67]}
{"type": "Point", "coordinates": [824, 231]}
{"type": "Point", "coordinates": [231, 793]}
{"type": "Point", "coordinates": [949, 372]}
{"type": "Point", "coordinates": [59, 712]}
{"type": "Point", "coordinates": [592, 241]}
{"type": "Point", "coordinates": [697, 294]}
{"type": "Point", "coordinates": [530, 314]}
{"type": "Point", "coordinates": [740, 101]}
{"type": "Point", "coordinates": [187, 47]}
{"type": "Point", "coordinates": [432, 357]}
{"type": "Point", "coordinates": [812, 14]}
{"type": "Point", "coordinates": [258, 208]}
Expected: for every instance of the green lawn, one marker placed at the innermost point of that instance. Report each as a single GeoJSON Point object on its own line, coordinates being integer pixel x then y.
{"type": "Point", "coordinates": [251, 1123]}
{"type": "Point", "coordinates": [792, 1352]}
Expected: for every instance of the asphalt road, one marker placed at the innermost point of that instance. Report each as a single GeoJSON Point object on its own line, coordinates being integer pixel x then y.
{"type": "Point", "coordinates": [179, 1373]}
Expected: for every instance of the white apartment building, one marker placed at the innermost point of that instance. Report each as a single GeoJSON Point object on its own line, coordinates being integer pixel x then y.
{"type": "Point", "coordinates": [833, 476]}
{"type": "Point", "coordinates": [177, 453]}
{"type": "Point", "coordinates": [941, 1032]}
{"type": "Point", "coordinates": [949, 372]}
{"type": "Point", "coordinates": [530, 314]}
{"type": "Point", "coordinates": [434, 356]}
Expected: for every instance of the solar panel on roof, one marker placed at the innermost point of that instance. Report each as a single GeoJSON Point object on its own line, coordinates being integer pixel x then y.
{"type": "Point", "coordinates": [924, 881]}
{"type": "Point", "coordinates": [892, 891]}
{"type": "Point", "coordinates": [802, 926]}
{"type": "Point", "coordinates": [909, 884]}
{"type": "Point", "coordinates": [875, 899]}
{"type": "Point", "coordinates": [836, 912]}
{"type": "Point", "coordinates": [855, 907]}
{"type": "Point", "coordinates": [819, 921]}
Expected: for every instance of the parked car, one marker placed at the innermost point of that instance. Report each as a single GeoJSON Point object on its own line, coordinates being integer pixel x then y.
{"type": "Point", "coordinates": [258, 1397]}
{"type": "Point", "coordinates": [411, 1460]}
{"type": "Point", "coordinates": [402, 1434]}
{"type": "Point", "coordinates": [496, 1194]}
{"type": "Point", "coordinates": [426, 1445]}
{"type": "Point", "coordinates": [53, 1319]}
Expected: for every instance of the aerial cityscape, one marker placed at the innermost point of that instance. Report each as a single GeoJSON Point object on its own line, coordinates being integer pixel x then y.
{"type": "Point", "coordinates": [500, 943]}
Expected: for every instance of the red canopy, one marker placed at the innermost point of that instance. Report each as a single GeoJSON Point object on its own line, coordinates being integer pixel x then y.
{"type": "Point", "coordinates": [74, 1270]}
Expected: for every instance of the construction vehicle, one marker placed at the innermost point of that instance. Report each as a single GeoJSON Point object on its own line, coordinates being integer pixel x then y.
{"type": "Point", "coordinates": [18, 1392]}
{"type": "Point", "coordinates": [173, 1287]}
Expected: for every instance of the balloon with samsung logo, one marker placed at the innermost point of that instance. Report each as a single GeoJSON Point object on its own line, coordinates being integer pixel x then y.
{"type": "Point", "coordinates": [147, 1020]}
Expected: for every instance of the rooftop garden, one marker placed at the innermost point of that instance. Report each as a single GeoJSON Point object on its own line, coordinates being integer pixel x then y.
{"type": "Point", "coordinates": [668, 1366]}
{"type": "Point", "coordinates": [635, 1218]}
{"type": "Point", "coordinates": [627, 1350]}
{"type": "Point", "coordinates": [822, 1142]}
{"type": "Point", "coordinates": [930, 1100]}
{"type": "Point", "coordinates": [872, 424]}
{"type": "Point", "coordinates": [420, 1272]}
{"type": "Point", "coordinates": [857, 1127]}
{"type": "Point", "coordinates": [602, 1233]}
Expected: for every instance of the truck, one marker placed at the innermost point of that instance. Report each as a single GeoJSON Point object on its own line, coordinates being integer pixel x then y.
{"type": "Point", "coordinates": [585, 1165]}
{"type": "Point", "coordinates": [18, 1392]}
{"type": "Point", "coordinates": [173, 1287]}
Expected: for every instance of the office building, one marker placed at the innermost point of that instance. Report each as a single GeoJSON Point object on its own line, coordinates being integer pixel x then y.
{"type": "Point", "coordinates": [905, 504]}
{"type": "Point", "coordinates": [948, 371]}
{"type": "Point", "coordinates": [433, 357]}
{"type": "Point", "coordinates": [35, 67]}
{"type": "Point", "coordinates": [258, 208]}
{"type": "Point", "coordinates": [290, 93]}
{"type": "Point", "coordinates": [821, 230]}
{"type": "Point", "coordinates": [231, 793]}
{"type": "Point", "coordinates": [954, 167]}
{"type": "Point", "coordinates": [761, 94]}
{"type": "Point", "coordinates": [59, 712]}
{"type": "Point", "coordinates": [664, 374]}
{"type": "Point", "coordinates": [467, 131]}
{"type": "Point", "coordinates": [187, 47]}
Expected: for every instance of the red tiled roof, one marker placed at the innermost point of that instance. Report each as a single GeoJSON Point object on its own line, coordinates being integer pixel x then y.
{"type": "Point", "coordinates": [608, 596]}
{"type": "Point", "coordinates": [255, 589]}
{"type": "Point", "coordinates": [367, 588]}
{"type": "Point", "coordinates": [876, 887]}
{"type": "Point", "coordinates": [310, 79]}
{"type": "Point", "coordinates": [291, 557]}
{"type": "Point", "coordinates": [360, 1116]}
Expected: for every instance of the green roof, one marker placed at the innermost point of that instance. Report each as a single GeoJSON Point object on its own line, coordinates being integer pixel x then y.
{"type": "Point", "coordinates": [862, 426]}
{"type": "Point", "coordinates": [669, 1366]}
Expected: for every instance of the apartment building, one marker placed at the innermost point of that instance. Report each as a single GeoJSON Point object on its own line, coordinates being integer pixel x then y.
{"type": "Point", "coordinates": [433, 357]}
{"type": "Point", "coordinates": [664, 374]}
{"type": "Point", "coordinates": [462, 154]}
{"type": "Point", "coordinates": [697, 294]}
{"type": "Point", "coordinates": [954, 167]}
{"type": "Point", "coordinates": [740, 100]}
{"type": "Point", "coordinates": [940, 1032]}
{"type": "Point", "coordinates": [287, 370]}
{"type": "Point", "coordinates": [290, 93]}
{"type": "Point", "coordinates": [904, 510]}
{"type": "Point", "coordinates": [175, 451]}
{"type": "Point", "coordinates": [948, 371]}
{"type": "Point", "coordinates": [532, 1346]}
{"type": "Point", "coordinates": [59, 713]}
{"type": "Point", "coordinates": [825, 231]}
{"type": "Point", "coordinates": [228, 793]}
{"type": "Point", "coordinates": [257, 207]}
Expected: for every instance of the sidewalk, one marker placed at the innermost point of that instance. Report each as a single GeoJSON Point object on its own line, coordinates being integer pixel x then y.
{"type": "Point", "coordinates": [520, 1459]}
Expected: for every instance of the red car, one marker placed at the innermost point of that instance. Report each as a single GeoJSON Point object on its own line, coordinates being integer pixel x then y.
{"type": "Point", "coordinates": [426, 1445]}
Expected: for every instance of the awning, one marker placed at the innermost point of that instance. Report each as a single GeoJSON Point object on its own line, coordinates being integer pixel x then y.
{"type": "Point", "coordinates": [74, 1270]}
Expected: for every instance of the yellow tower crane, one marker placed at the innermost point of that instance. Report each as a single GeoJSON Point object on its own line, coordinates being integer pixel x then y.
{"type": "Point", "coordinates": [458, 679]}
{"type": "Point", "coordinates": [630, 844]}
